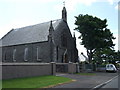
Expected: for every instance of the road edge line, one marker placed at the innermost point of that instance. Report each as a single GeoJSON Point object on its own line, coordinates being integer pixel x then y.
{"type": "Point", "coordinates": [102, 84]}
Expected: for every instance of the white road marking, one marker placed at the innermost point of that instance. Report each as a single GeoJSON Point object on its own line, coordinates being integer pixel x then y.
{"type": "Point", "coordinates": [98, 86]}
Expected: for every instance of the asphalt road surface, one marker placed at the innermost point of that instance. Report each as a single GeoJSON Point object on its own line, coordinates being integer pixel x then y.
{"type": "Point", "coordinates": [112, 84]}
{"type": "Point", "coordinates": [84, 81]}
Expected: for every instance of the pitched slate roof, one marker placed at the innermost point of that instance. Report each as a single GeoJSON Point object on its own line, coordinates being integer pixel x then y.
{"type": "Point", "coordinates": [29, 34]}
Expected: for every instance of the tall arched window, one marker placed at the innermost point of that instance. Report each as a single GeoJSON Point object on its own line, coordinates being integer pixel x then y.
{"type": "Point", "coordinates": [5, 56]}
{"type": "Point", "coordinates": [38, 54]}
{"type": "Point", "coordinates": [57, 50]}
{"type": "Point", "coordinates": [14, 55]}
{"type": "Point", "coordinates": [64, 40]}
{"type": "Point", "coordinates": [26, 54]}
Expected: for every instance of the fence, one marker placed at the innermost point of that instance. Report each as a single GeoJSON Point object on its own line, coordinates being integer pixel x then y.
{"type": "Point", "coordinates": [91, 67]}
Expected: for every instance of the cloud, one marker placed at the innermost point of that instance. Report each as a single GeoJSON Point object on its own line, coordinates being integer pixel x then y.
{"type": "Point", "coordinates": [117, 7]}
{"type": "Point", "coordinates": [71, 4]}
{"type": "Point", "coordinates": [15, 23]}
{"type": "Point", "coordinates": [110, 1]}
{"type": "Point", "coordinates": [74, 2]}
{"type": "Point", "coordinates": [18, 1]}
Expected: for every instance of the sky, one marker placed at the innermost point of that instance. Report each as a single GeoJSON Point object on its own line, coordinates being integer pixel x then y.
{"type": "Point", "coordinates": [21, 13]}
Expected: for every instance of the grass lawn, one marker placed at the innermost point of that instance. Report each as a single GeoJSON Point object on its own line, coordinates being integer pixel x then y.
{"type": "Point", "coordinates": [89, 74]}
{"type": "Point", "coordinates": [34, 82]}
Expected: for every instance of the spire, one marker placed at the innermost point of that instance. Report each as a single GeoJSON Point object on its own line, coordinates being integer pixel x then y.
{"type": "Point", "coordinates": [64, 12]}
{"type": "Point", "coordinates": [51, 29]}
{"type": "Point", "coordinates": [74, 39]}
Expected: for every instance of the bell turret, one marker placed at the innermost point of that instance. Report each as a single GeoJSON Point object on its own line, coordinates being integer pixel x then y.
{"type": "Point", "coordinates": [64, 13]}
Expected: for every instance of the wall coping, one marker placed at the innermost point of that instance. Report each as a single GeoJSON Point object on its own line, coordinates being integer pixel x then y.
{"type": "Point", "coordinates": [66, 63]}
{"type": "Point", "coordinates": [14, 63]}
{"type": "Point", "coordinates": [3, 64]}
{"type": "Point", "coordinates": [62, 63]}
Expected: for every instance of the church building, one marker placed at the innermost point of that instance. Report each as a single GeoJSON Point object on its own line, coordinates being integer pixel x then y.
{"type": "Point", "coordinates": [46, 42]}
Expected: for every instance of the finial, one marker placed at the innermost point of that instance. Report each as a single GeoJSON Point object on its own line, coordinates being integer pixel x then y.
{"type": "Point", "coordinates": [51, 23]}
{"type": "Point", "coordinates": [64, 4]}
{"type": "Point", "coordinates": [74, 34]}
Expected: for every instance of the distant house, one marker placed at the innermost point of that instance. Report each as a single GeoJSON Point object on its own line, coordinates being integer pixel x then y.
{"type": "Point", "coordinates": [45, 42]}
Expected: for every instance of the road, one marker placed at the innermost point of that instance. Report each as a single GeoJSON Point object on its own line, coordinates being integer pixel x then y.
{"type": "Point", "coordinates": [86, 81]}
{"type": "Point", "coordinates": [112, 84]}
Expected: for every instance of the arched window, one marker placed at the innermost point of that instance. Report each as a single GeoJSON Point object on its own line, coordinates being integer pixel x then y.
{"type": "Point", "coordinates": [26, 54]}
{"type": "Point", "coordinates": [38, 54]}
{"type": "Point", "coordinates": [64, 40]}
{"type": "Point", "coordinates": [5, 56]}
{"type": "Point", "coordinates": [14, 55]}
{"type": "Point", "coordinates": [57, 50]}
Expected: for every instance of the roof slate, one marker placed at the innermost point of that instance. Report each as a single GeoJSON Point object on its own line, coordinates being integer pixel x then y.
{"type": "Point", "coordinates": [29, 34]}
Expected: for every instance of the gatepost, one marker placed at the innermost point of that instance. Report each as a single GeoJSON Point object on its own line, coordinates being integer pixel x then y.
{"type": "Point", "coordinates": [53, 66]}
{"type": "Point", "coordinates": [77, 67]}
{"type": "Point", "coordinates": [70, 67]}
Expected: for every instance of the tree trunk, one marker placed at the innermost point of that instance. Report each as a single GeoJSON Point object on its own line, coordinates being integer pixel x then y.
{"type": "Point", "coordinates": [90, 55]}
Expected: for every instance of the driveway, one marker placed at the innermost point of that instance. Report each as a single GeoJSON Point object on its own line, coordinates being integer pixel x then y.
{"type": "Point", "coordinates": [86, 81]}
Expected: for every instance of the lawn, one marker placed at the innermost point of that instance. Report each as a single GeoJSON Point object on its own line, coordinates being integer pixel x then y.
{"type": "Point", "coordinates": [34, 82]}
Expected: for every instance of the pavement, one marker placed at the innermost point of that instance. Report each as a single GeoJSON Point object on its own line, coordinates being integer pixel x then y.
{"type": "Point", "coordinates": [86, 81]}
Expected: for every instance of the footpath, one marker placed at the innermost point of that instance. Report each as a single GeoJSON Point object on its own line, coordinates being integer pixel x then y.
{"type": "Point", "coordinates": [86, 81]}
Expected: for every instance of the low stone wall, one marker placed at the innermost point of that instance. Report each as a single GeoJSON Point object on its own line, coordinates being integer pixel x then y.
{"type": "Point", "coordinates": [18, 70]}
{"type": "Point", "coordinates": [73, 68]}
{"type": "Point", "coordinates": [67, 67]}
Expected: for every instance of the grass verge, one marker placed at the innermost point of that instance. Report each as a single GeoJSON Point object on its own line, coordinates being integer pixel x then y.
{"type": "Point", "coordinates": [34, 82]}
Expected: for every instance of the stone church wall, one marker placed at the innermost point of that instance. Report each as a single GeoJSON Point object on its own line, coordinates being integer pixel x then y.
{"type": "Point", "coordinates": [20, 70]}
{"type": "Point", "coordinates": [62, 45]}
{"type": "Point", "coordinates": [63, 31]}
{"type": "Point", "coordinates": [33, 55]}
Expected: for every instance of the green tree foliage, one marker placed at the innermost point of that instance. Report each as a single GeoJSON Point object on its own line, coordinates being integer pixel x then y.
{"type": "Point", "coordinates": [94, 34]}
{"type": "Point", "coordinates": [105, 54]}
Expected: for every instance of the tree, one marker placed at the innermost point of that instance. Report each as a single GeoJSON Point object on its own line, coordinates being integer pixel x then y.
{"type": "Point", "coordinates": [106, 54]}
{"type": "Point", "coordinates": [94, 34]}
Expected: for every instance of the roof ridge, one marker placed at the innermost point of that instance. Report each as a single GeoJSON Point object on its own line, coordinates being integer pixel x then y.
{"type": "Point", "coordinates": [37, 24]}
